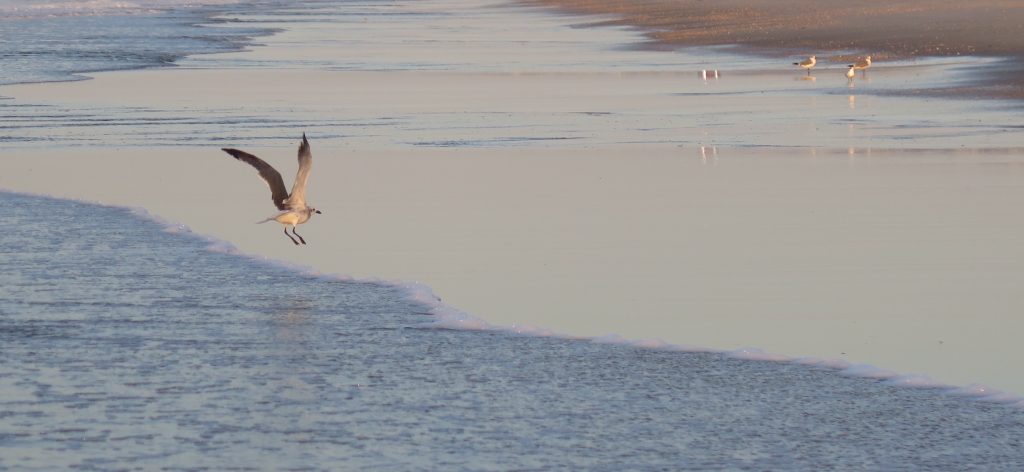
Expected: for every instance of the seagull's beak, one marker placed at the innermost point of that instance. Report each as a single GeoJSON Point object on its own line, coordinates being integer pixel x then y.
{"type": "Point", "coordinates": [318, 212]}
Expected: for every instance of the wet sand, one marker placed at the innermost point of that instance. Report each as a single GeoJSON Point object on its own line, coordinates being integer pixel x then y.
{"type": "Point", "coordinates": [802, 217]}
{"type": "Point", "coordinates": [839, 31]}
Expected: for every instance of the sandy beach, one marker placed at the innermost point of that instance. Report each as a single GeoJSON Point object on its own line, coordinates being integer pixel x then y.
{"type": "Point", "coordinates": [839, 31]}
{"type": "Point", "coordinates": [619, 194]}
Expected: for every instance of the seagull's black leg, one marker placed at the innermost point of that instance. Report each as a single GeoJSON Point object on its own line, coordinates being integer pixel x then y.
{"type": "Point", "coordinates": [297, 234]}
{"type": "Point", "coordinates": [290, 236]}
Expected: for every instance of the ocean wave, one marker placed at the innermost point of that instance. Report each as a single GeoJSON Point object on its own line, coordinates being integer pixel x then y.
{"type": "Point", "coordinates": [449, 317]}
{"type": "Point", "coordinates": [445, 316]}
{"type": "Point", "coordinates": [204, 341]}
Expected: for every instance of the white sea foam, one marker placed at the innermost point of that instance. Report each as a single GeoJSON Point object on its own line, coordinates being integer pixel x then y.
{"type": "Point", "coordinates": [531, 330]}
{"type": "Point", "coordinates": [609, 339]}
{"type": "Point", "coordinates": [169, 226]}
{"type": "Point", "coordinates": [446, 316]}
{"type": "Point", "coordinates": [650, 344]}
{"type": "Point", "coordinates": [868, 371]}
{"type": "Point", "coordinates": [837, 364]}
{"type": "Point", "coordinates": [915, 380]}
{"type": "Point", "coordinates": [754, 354]}
{"type": "Point", "coordinates": [685, 348]}
{"type": "Point", "coordinates": [988, 394]}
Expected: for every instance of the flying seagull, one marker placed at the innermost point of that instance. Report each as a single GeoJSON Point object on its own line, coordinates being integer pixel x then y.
{"type": "Point", "coordinates": [807, 63]}
{"type": "Point", "coordinates": [293, 208]}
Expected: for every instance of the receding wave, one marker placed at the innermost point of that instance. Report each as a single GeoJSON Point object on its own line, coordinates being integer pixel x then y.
{"type": "Point", "coordinates": [121, 328]}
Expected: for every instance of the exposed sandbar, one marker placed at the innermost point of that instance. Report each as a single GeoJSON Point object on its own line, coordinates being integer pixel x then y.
{"type": "Point", "coordinates": [836, 30]}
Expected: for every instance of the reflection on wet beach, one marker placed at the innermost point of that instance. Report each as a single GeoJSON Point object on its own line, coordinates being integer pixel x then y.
{"type": "Point", "coordinates": [623, 191]}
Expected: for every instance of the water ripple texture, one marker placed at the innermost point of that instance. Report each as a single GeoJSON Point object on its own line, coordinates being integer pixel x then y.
{"type": "Point", "coordinates": [126, 345]}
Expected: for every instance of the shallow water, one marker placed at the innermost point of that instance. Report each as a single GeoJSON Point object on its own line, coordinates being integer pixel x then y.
{"type": "Point", "coordinates": [482, 74]}
{"type": "Point", "coordinates": [878, 249]}
{"type": "Point", "coordinates": [47, 41]}
{"type": "Point", "coordinates": [144, 347]}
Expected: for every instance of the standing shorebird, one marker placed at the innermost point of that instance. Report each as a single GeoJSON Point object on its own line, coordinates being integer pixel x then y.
{"type": "Point", "coordinates": [850, 74]}
{"type": "Point", "coordinates": [862, 64]}
{"type": "Point", "coordinates": [807, 63]}
{"type": "Point", "coordinates": [294, 210]}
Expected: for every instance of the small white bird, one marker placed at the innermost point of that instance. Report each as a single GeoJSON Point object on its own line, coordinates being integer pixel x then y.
{"type": "Point", "coordinates": [807, 63]}
{"type": "Point", "coordinates": [294, 210]}
{"type": "Point", "coordinates": [862, 64]}
{"type": "Point", "coordinates": [850, 73]}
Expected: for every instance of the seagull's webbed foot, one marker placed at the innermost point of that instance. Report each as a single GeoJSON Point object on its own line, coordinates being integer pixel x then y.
{"type": "Point", "coordinates": [297, 234]}
{"type": "Point", "coordinates": [290, 236]}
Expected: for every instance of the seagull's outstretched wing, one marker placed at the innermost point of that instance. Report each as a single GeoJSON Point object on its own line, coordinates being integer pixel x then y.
{"type": "Point", "coordinates": [270, 175]}
{"type": "Point", "coordinates": [298, 196]}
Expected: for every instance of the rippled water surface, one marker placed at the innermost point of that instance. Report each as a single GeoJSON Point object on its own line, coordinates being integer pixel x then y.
{"type": "Point", "coordinates": [494, 75]}
{"type": "Point", "coordinates": [127, 345]}
{"type": "Point", "coordinates": [124, 344]}
{"type": "Point", "coordinates": [47, 41]}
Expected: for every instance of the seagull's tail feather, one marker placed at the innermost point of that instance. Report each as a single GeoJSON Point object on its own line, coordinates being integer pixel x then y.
{"type": "Point", "coordinates": [274, 216]}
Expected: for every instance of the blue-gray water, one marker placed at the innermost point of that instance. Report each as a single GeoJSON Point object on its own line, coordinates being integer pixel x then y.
{"type": "Point", "coordinates": [46, 41]}
{"type": "Point", "coordinates": [446, 36]}
{"type": "Point", "coordinates": [127, 346]}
